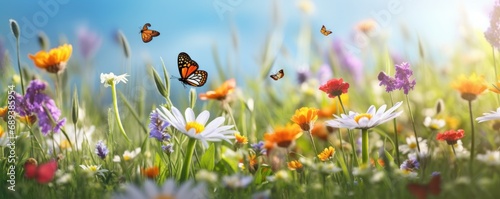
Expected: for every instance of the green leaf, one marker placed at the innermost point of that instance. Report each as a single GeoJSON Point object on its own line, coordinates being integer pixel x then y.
{"type": "Point", "coordinates": [262, 172]}
{"type": "Point", "coordinates": [159, 84]}
{"type": "Point", "coordinates": [208, 159]}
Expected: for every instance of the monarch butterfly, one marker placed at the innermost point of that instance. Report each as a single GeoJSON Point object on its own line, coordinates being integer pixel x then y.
{"type": "Point", "coordinates": [420, 191]}
{"type": "Point", "coordinates": [188, 69]}
{"type": "Point", "coordinates": [324, 31]}
{"type": "Point", "coordinates": [42, 173]}
{"type": "Point", "coordinates": [278, 75]}
{"type": "Point", "coordinates": [147, 35]}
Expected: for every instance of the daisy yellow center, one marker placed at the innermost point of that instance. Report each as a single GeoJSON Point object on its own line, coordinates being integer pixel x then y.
{"type": "Point", "coordinates": [164, 197]}
{"type": "Point", "coordinates": [196, 126]}
{"type": "Point", "coordinates": [127, 157]}
{"type": "Point", "coordinates": [359, 116]}
{"type": "Point", "coordinates": [93, 168]}
{"type": "Point", "coordinates": [412, 145]}
{"type": "Point", "coordinates": [65, 144]}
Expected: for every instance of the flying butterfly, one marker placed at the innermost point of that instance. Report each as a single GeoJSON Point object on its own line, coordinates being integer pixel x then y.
{"type": "Point", "coordinates": [188, 69]}
{"type": "Point", "coordinates": [324, 31]}
{"type": "Point", "coordinates": [421, 191]}
{"type": "Point", "coordinates": [147, 34]}
{"type": "Point", "coordinates": [278, 75]}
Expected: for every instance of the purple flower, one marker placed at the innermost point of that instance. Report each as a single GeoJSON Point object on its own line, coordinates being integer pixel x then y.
{"type": "Point", "coordinates": [168, 149]}
{"type": "Point", "coordinates": [303, 74]}
{"type": "Point", "coordinates": [157, 127]}
{"type": "Point", "coordinates": [101, 150]}
{"type": "Point", "coordinates": [400, 81]}
{"type": "Point", "coordinates": [492, 34]}
{"type": "Point", "coordinates": [88, 41]}
{"type": "Point", "coordinates": [410, 164]}
{"type": "Point", "coordinates": [324, 74]}
{"type": "Point", "coordinates": [388, 82]}
{"type": "Point", "coordinates": [37, 103]}
{"type": "Point", "coordinates": [348, 61]}
{"type": "Point", "coordinates": [259, 148]}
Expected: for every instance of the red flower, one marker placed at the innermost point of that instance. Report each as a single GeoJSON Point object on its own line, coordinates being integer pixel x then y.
{"type": "Point", "coordinates": [451, 136]}
{"type": "Point", "coordinates": [335, 87]}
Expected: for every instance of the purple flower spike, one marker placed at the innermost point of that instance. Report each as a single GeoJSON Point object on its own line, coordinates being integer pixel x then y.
{"type": "Point", "coordinates": [101, 150]}
{"type": "Point", "coordinates": [492, 34]}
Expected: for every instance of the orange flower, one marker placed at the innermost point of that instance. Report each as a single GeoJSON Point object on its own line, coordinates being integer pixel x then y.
{"type": "Point", "coordinates": [495, 87]}
{"type": "Point", "coordinates": [326, 154]}
{"type": "Point", "coordinates": [252, 160]}
{"type": "Point", "coordinates": [305, 117]}
{"type": "Point", "coordinates": [240, 140]}
{"type": "Point", "coordinates": [470, 87]}
{"type": "Point", "coordinates": [3, 111]}
{"type": "Point", "coordinates": [295, 165]}
{"type": "Point", "coordinates": [29, 120]}
{"type": "Point", "coordinates": [366, 26]}
{"type": "Point", "coordinates": [321, 131]}
{"type": "Point", "coordinates": [151, 172]}
{"type": "Point", "coordinates": [334, 108]}
{"type": "Point", "coordinates": [220, 93]}
{"type": "Point", "coordinates": [53, 61]}
{"type": "Point", "coordinates": [282, 136]}
{"type": "Point", "coordinates": [379, 161]}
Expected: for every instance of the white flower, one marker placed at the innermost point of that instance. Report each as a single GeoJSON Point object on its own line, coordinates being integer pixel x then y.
{"type": "Point", "coordinates": [461, 151]}
{"type": "Point", "coordinates": [60, 142]}
{"type": "Point", "coordinates": [433, 123]}
{"type": "Point", "coordinates": [207, 176]}
{"type": "Point", "coordinates": [109, 78]}
{"type": "Point", "coordinates": [93, 169]}
{"type": "Point", "coordinates": [127, 155]}
{"type": "Point", "coordinates": [195, 127]}
{"type": "Point", "coordinates": [169, 190]}
{"type": "Point", "coordinates": [493, 115]}
{"type": "Point", "coordinates": [411, 145]}
{"type": "Point", "coordinates": [367, 120]}
{"type": "Point", "coordinates": [236, 181]}
{"type": "Point", "coordinates": [491, 158]}
{"type": "Point", "coordinates": [62, 178]}
{"type": "Point", "coordinates": [281, 175]}
{"type": "Point", "coordinates": [329, 168]}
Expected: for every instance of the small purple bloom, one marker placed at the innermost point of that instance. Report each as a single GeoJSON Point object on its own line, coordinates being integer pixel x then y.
{"type": "Point", "coordinates": [157, 127]}
{"type": "Point", "coordinates": [259, 148]}
{"type": "Point", "coordinates": [348, 61]}
{"type": "Point", "coordinates": [410, 164]}
{"type": "Point", "coordinates": [388, 82]}
{"type": "Point", "coordinates": [88, 41]}
{"type": "Point", "coordinates": [492, 34]}
{"type": "Point", "coordinates": [303, 74]}
{"type": "Point", "coordinates": [435, 173]}
{"type": "Point", "coordinates": [101, 150]}
{"type": "Point", "coordinates": [168, 149]}
{"type": "Point", "coordinates": [401, 79]}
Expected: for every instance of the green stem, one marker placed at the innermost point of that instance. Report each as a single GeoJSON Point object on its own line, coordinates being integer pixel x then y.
{"type": "Point", "coordinates": [364, 145]}
{"type": "Point", "coordinates": [19, 64]}
{"type": "Point", "coordinates": [396, 141]}
{"type": "Point", "coordinates": [412, 122]}
{"type": "Point", "coordinates": [312, 142]}
{"type": "Point", "coordinates": [351, 138]}
{"type": "Point", "coordinates": [471, 160]}
{"type": "Point", "coordinates": [117, 114]}
{"type": "Point", "coordinates": [187, 159]}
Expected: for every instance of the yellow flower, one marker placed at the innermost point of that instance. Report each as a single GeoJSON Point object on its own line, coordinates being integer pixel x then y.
{"type": "Point", "coordinates": [326, 154]}
{"type": "Point", "coordinates": [3, 111]}
{"type": "Point", "coordinates": [240, 139]}
{"type": "Point", "coordinates": [305, 117]}
{"type": "Point", "coordinates": [29, 120]}
{"type": "Point", "coordinates": [53, 61]}
{"type": "Point", "coordinates": [470, 87]}
{"type": "Point", "coordinates": [220, 93]}
{"type": "Point", "coordinates": [282, 136]}
{"type": "Point", "coordinates": [495, 87]}
{"type": "Point", "coordinates": [295, 165]}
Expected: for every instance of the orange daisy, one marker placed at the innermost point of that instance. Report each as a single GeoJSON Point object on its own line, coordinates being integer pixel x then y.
{"type": "Point", "coordinates": [305, 117]}
{"type": "Point", "coordinates": [282, 136]}
{"type": "Point", "coordinates": [220, 93]}
{"type": "Point", "coordinates": [295, 165]}
{"type": "Point", "coordinates": [53, 61]}
{"type": "Point", "coordinates": [151, 172]}
{"type": "Point", "coordinates": [470, 87]}
{"type": "Point", "coordinates": [326, 154]}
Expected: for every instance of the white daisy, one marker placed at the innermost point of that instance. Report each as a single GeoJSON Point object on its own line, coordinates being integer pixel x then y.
{"type": "Point", "coordinates": [59, 141]}
{"type": "Point", "coordinates": [127, 155]}
{"type": "Point", "coordinates": [434, 123]}
{"type": "Point", "coordinates": [93, 169]}
{"type": "Point", "coordinates": [411, 145]}
{"type": "Point", "coordinates": [491, 158]}
{"type": "Point", "coordinates": [169, 189]}
{"type": "Point", "coordinates": [493, 115]}
{"type": "Point", "coordinates": [236, 180]}
{"type": "Point", "coordinates": [370, 119]}
{"type": "Point", "coordinates": [109, 78]}
{"type": "Point", "coordinates": [195, 127]}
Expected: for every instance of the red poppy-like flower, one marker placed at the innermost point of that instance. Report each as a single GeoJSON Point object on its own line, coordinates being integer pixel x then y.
{"type": "Point", "coordinates": [335, 87]}
{"type": "Point", "coordinates": [451, 137]}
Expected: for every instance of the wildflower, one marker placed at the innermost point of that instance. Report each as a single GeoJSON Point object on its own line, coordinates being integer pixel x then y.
{"type": "Point", "coordinates": [283, 136]}
{"type": "Point", "coordinates": [169, 189]}
{"type": "Point", "coordinates": [62, 178]}
{"type": "Point", "coordinates": [377, 177]}
{"type": "Point", "coordinates": [335, 87]}
{"type": "Point", "coordinates": [111, 79]}
{"type": "Point", "coordinates": [492, 34]}
{"type": "Point", "coordinates": [326, 154]}
{"type": "Point", "coordinates": [295, 165]}
{"type": "Point", "coordinates": [240, 140]}
{"type": "Point", "coordinates": [451, 136]}
{"type": "Point", "coordinates": [281, 175]}
{"type": "Point", "coordinates": [366, 26]}
{"type": "Point", "coordinates": [258, 148]}
{"type": "Point", "coordinates": [169, 148]}
{"type": "Point", "coordinates": [53, 61]}
{"type": "Point", "coordinates": [334, 108]}
{"type": "Point", "coordinates": [195, 127]}
{"type": "Point", "coordinates": [157, 127]}
{"type": "Point", "coordinates": [329, 168]}
{"type": "Point", "coordinates": [401, 79]}
{"type": "Point", "coordinates": [470, 87]}
{"type": "Point", "coordinates": [303, 74]}
{"type": "Point", "coordinates": [34, 102]}
{"type": "Point", "coordinates": [305, 117]}
{"type": "Point", "coordinates": [128, 155]}
{"type": "Point", "coordinates": [207, 176]}
{"type": "Point", "coordinates": [379, 162]}
{"type": "Point", "coordinates": [236, 181]}
{"type": "Point", "coordinates": [495, 87]}
{"type": "Point", "coordinates": [367, 120]}
{"type": "Point", "coordinates": [262, 195]}
{"type": "Point", "coordinates": [93, 169]}
{"type": "Point", "coordinates": [220, 93]}
{"type": "Point", "coordinates": [151, 172]}
{"type": "Point", "coordinates": [348, 61]}
{"type": "Point", "coordinates": [434, 124]}
{"type": "Point", "coordinates": [306, 6]}
{"type": "Point", "coordinates": [411, 145]}
{"type": "Point", "coordinates": [493, 115]}
{"type": "Point", "coordinates": [75, 138]}
{"type": "Point", "coordinates": [410, 164]}
{"type": "Point", "coordinates": [101, 150]}
{"type": "Point", "coordinates": [490, 158]}
{"type": "Point", "coordinates": [88, 41]}
{"type": "Point", "coordinates": [321, 131]}
{"type": "Point", "coordinates": [43, 173]}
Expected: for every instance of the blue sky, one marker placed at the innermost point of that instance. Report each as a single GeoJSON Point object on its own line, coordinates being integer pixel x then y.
{"type": "Point", "coordinates": [195, 27]}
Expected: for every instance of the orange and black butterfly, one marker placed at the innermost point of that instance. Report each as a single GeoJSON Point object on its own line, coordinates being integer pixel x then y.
{"type": "Point", "coordinates": [278, 75]}
{"type": "Point", "coordinates": [324, 31]}
{"type": "Point", "coordinates": [188, 69]}
{"type": "Point", "coordinates": [147, 35]}
{"type": "Point", "coordinates": [421, 191]}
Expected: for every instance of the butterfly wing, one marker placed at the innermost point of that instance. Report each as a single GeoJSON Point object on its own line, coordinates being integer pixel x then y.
{"type": "Point", "coordinates": [197, 79]}
{"type": "Point", "coordinates": [146, 34]}
{"type": "Point", "coordinates": [324, 31]}
{"type": "Point", "coordinates": [188, 69]}
{"type": "Point", "coordinates": [46, 172]}
{"type": "Point", "coordinates": [418, 190]}
{"type": "Point", "coordinates": [278, 75]}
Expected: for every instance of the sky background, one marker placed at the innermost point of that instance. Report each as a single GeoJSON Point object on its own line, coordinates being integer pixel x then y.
{"type": "Point", "coordinates": [196, 27]}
